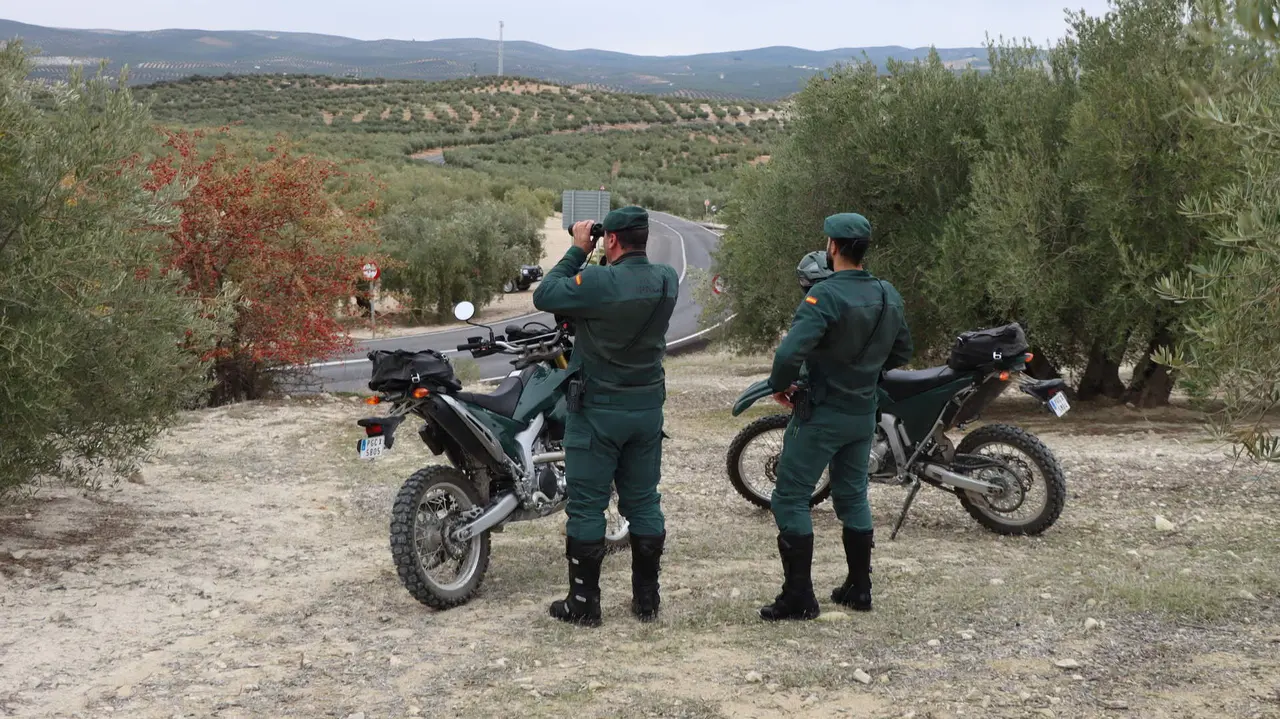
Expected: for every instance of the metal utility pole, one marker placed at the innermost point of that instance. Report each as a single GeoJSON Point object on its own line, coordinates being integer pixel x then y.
{"type": "Point", "coordinates": [500, 25]}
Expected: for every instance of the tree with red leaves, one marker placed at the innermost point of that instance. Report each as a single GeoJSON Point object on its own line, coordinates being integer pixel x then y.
{"type": "Point", "coordinates": [283, 238]}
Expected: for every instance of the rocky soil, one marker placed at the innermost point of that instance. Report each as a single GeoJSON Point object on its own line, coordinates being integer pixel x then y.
{"type": "Point", "coordinates": [245, 572]}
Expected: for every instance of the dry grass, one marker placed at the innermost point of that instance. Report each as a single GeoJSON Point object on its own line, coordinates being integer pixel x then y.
{"type": "Point", "coordinates": [249, 576]}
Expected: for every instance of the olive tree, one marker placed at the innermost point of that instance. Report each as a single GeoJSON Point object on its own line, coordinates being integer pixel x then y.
{"type": "Point", "coordinates": [1231, 342]}
{"type": "Point", "coordinates": [95, 341]}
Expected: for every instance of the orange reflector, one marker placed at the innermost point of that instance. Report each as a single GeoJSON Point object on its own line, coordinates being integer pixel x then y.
{"type": "Point", "coordinates": [420, 392]}
{"type": "Point", "coordinates": [372, 400]}
{"type": "Point", "coordinates": [1004, 376]}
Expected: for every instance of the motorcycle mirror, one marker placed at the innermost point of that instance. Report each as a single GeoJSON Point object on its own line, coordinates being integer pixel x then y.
{"type": "Point", "coordinates": [464, 311]}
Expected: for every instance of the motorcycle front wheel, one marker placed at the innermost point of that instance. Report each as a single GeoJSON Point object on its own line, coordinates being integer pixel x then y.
{"type": "Point", "coordinates": [752, 462]}
{"type": "Point", "coordinates": [437, 571]}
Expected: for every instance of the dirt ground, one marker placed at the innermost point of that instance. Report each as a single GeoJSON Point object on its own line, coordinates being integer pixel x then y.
{"type": "Point", "coordinates": [245, 572]}
{"type": "Point", "coordinates": [555, 243]}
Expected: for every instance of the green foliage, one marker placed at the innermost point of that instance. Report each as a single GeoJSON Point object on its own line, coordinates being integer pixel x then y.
{"type": "Point", "coordinates": [893, 148]}
{"type": "Point", "coordinates": [668, 168]}
{"type": "Point", "coordinates": [1232, 343]}
{"type": "Point", "coordinates": [1046, 192]}
{"type": "Point", "coordinates": [500, 127]}
{"type": "Point", "coordinates": [91, 333]}
{"type": "Point", "coordinates": [460, 252]}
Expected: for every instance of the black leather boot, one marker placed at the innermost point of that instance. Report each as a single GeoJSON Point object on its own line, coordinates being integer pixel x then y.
{"type": "Point", "coordinates": [646, 555]}
{"type": "Point", "coordinates": [855, 593]}
{"type": "Point", "coordinates": [796, 600]}
{"type": "Point", "coordinates": [582, 605]}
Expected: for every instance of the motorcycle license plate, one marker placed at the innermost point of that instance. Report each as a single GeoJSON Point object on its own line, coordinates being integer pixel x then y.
{"type": "Point", "coordinates": [1059, 404]}
{"type": "Point", "coordinates": [372, 448]}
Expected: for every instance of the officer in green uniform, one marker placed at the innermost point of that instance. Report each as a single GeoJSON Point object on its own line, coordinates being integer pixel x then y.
{"type": "Point", "coordinates": [849, 329]}
{"type": "Point", "coordinates": [614, 431]}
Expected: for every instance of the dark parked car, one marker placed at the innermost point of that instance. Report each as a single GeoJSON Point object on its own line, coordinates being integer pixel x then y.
{"type": "Point", "coordinates": [528, 275]}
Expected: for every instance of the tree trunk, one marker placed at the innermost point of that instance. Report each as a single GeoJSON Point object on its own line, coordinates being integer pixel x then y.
{"type": "Point", "coordinates": [1101, 377]}
{"type": "Point", "coordinates": [1152, 382]}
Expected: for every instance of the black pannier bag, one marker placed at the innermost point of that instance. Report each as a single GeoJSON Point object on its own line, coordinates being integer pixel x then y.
{"type": "Point", "coordinates": [402, 370]}
{"type": "Point", "coordinates": [983, 348]}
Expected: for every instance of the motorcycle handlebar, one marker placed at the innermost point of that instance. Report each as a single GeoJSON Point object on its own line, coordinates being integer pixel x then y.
{"type": "Point", "coordinates": [493, 346]}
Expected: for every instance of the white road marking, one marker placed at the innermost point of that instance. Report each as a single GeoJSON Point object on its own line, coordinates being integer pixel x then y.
{"type": "Point", "coordinates": [684, 259]}
{"type": "Point", "coordinates": [344, 363]}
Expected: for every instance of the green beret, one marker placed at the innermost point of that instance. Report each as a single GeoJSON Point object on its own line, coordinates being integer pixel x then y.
{"type": "Point", "coordinates": [847, 226]}
{"type": "Point", "coordinates": [626, 218]}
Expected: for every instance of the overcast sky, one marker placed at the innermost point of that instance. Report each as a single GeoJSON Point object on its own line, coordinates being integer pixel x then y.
{"type": "Point", "coordinates": [651, 27]}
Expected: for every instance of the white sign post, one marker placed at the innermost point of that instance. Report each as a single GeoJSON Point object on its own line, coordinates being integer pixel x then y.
{"type": "Point", "coordinates": [372, 272]}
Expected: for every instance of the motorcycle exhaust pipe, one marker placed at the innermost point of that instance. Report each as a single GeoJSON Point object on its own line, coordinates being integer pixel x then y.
{"type": "Point", "coordinates": [492, 517]}
{"type": "Point", "coordinates": [548, 458]}
{"type": "Point", "coordinates": [938, 473]}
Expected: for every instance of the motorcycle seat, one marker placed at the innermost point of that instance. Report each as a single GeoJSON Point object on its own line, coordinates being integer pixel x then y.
{"type": "Point", "coordinates": [503, 400]}
{"type": "Point", "coordinates": [902, 384]}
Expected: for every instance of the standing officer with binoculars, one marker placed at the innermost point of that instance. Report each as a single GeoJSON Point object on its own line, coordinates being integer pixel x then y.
{"type": "Point", "coordinates": [614, 431]}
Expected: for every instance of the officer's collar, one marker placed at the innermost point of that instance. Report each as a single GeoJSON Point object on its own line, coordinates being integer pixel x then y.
{"type": "Point", "coordinates": [853, 273]}
{"type": "Point", "coordinates": [638, 255]}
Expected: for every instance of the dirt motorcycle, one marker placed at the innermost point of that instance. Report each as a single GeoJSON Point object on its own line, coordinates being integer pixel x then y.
{"type": "Point", "coordinates": [1004, 476]}
{"type": "Point", "coordinates": [506, 462]}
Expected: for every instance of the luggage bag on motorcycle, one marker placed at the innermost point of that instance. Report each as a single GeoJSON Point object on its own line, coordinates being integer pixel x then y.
{"type": "Point", "coordinates": [984, 348]}
{"type": "Point", "coordinates": [402, 370]}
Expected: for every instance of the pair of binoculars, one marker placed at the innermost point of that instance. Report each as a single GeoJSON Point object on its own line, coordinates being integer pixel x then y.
{"type": "Point", "coordinates": [597, 231]}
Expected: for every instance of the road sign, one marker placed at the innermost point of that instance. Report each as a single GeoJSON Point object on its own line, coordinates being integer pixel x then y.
{"type": "Point", "coordinates": [371, 271]}
{"type": "Point", "coordinates": [717, 285]}
{"type": "Point", "coordinates": [706, 203]}
{"type": "Point", "coordinates": [579, 205]}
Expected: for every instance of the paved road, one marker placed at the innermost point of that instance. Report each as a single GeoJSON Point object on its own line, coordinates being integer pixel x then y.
{"type": "Point", "coordinates": [674, 241]}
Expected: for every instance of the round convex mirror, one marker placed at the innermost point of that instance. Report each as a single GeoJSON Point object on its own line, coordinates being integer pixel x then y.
{"type": "Point", "coordinates": [464, 311]}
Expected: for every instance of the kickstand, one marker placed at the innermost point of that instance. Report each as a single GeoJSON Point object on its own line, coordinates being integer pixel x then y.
{"type": "Point", "coordinates": [906, 507]}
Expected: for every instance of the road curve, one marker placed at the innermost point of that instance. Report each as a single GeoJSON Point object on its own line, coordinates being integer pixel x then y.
{"type": "Point", "coordinates": [672, 240]}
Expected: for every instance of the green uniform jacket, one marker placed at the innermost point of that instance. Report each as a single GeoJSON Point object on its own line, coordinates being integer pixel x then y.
{"type": "Point", "coordinates": [829, 330]}
{"type": "Point", "coordinates": [614, 350]}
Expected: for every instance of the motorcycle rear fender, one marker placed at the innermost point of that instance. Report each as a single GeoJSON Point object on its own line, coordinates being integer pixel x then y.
{"type": "Point", "coordinates": [1044, 390]}
{"type": "Point", "coordinates": [384, 427]}
{"type": "Point", "coordinates": [751, 395]}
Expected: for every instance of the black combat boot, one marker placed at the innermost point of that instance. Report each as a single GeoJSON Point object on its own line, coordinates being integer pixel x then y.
{"type": "Point", "coordinates": [582, 605]}
{"type": "Point", "coordinates": [796, 600]}
{"type": "Point", "coordinates": [646, 555]}
{"type": "Point", "coordinates": [855, 593]}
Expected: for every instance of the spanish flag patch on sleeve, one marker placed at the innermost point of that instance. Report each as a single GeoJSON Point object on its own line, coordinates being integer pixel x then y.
{"type": "Point", "coordinates": [578, 278]}
{"type": "Point", "coordinates": [811, 300]}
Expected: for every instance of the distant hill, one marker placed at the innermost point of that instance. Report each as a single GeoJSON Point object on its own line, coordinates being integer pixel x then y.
{"type": "Point", "coordinates": [764, 73]}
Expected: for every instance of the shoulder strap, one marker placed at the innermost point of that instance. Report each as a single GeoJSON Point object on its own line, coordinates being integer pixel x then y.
{"type": "Point", "coordinates": [647, 323]}
{"type": "Point", "coordinates": [884, 301]}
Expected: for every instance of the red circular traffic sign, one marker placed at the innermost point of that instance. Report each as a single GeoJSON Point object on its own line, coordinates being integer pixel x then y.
{"type": "Point", "coordinates": [717, 285]}
{"type": "Point", "coordinates": [371, 271]}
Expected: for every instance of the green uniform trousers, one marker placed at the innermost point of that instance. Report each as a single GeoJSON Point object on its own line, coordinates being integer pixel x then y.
{"type": "Point", "coordinates": [830, 438]}
{"type": "Point", "coordinates": [608, 447]}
